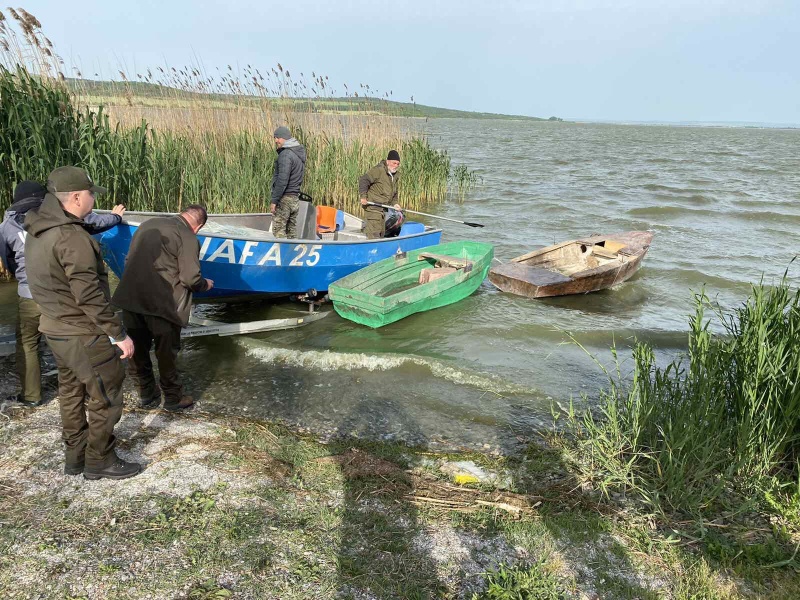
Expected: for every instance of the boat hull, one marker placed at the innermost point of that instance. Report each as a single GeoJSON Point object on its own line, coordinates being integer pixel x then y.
{"type": "Point", "coordinates": [358, 297]}
{"type": "Point", "coordinates": [242, 267]}
{"type": "Point", "coordinates": [540, 274]}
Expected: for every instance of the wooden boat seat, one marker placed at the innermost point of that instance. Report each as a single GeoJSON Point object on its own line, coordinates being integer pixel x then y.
{"type": "Point", "coordinates": [533, 275]}
{"type": "Point", "coordinates": [604, 252]}
{"type": "Point", "coordinates": [443, 260]}
{"type": "Point", "coordinates": [432, 274]}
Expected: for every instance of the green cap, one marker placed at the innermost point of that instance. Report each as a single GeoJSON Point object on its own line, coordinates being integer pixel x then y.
{"type": "Point", "coordinates": [72, 179]}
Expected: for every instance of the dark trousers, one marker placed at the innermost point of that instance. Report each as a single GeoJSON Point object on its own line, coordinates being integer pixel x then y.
{"type": "Point", "coordinates": [146, 331]}
{"type": "Point", "coordinates": [90, 376]}
{"type": "Point", "coordinates": [28, 336]}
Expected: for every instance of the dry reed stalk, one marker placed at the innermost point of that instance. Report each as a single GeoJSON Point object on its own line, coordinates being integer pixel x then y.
{"type": "Point", "coordinates": [172, 136]}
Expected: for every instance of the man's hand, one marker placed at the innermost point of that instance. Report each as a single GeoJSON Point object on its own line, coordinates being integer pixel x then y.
{"type": "Point", "coordinates": [363, 202]}
{"type": "Point", "coordinates": [210, 284]}
{"type": "Point", "coordinates": [119, 209]}
{"type": "Point", "coordinates": [126, 346]}
{"type": "Point", "coordinates": [397, 207]}
{"type": "Point", "coordinates": [272, 208]}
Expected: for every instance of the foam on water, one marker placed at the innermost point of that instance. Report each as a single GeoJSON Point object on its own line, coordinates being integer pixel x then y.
{"type": "Point", "coordinates": [327, 360]}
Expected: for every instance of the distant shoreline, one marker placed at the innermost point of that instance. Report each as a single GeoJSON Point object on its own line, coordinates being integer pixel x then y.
{"type": "Point", "coordinates": [703, 124]}
{"type": "Point", "coordinates": [138, 93]}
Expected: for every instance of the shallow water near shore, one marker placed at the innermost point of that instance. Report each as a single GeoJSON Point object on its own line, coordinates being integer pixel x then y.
{"type": "Point", "coordinates": [483, 373]}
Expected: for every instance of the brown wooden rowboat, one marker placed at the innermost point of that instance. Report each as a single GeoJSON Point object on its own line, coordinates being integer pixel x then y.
{"type": "Point", "coordinates": [574, 267]}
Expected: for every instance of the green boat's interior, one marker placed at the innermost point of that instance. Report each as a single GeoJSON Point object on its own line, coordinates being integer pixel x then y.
{"type": "Point", "coordinates": [401, 279]}
{"type": "Point", "coordinates": [575, 257]}
{"type": "Point", "coordinates": [392, 277]}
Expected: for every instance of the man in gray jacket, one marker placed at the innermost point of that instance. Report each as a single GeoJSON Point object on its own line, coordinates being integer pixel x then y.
{"type": "Point", "coordinates": [286, 182]}
{"type": "Point", "coordinates": [29, 195]}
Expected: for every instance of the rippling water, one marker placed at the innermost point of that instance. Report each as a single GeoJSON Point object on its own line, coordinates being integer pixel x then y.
{"type": "Point", "coordinates": [722, 202]}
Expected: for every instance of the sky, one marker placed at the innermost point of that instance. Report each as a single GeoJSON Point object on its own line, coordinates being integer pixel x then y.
{"type": "Point", "coordinates": [619, 60]}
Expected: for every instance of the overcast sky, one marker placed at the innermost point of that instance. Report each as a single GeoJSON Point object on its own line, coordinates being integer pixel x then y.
{"type": "Point", "coordinates": [645, 60]}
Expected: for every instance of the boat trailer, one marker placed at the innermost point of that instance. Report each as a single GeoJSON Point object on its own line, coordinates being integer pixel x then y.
{"type": "Point", "coordinates": [199, 327]}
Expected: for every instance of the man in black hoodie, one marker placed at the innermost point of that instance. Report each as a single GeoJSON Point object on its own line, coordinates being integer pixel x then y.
{"type": "Point", "coordinates": [286, 182]}
{"type": "Point", "coordinates": [28, 195]}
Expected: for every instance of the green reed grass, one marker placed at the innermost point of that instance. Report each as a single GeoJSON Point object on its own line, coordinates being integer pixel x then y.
{"type": "Point", "coordinates": [715, 430]}
{"type": "Point", "coordinates": [179, 136]}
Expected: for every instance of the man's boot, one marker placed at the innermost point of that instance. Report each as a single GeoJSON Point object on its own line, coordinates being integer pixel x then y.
{"type": "Point", "coordinates": [73, 468]}
{"type": "Point", "coordinates": [119, 469]}
{"type": "Point", "coordinates": [151, 402]}
{"type": "Point", "coordinates": [182, 404]}
{"type": "Point", "coordinates": [19, 398]}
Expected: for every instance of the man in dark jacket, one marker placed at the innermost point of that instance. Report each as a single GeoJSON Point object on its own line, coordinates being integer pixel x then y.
{"type": "Point", "coordinates": [155, 295]}
{"type": "Point", "coordinates": [68, 281]}
{"type": "Point", "coordinates": [29, 195]}
{"type": "Point", "coordinates": [379, 185]}
{"type": "Point", "coordinates": [290, 167]}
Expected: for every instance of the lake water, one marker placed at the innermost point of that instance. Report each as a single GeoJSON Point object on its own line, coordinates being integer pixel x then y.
{"type": "Point", "coordinates": [725, 207]}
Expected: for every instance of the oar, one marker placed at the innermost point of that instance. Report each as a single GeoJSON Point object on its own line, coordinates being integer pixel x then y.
{"type": "Point", "coordinates": [416, 212]}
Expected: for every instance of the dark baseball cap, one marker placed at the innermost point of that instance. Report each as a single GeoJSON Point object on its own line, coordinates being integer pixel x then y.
{"type": "Point", "coordinates": [72, 179]}
{"type": "Point", "coordinates": [29, 189]}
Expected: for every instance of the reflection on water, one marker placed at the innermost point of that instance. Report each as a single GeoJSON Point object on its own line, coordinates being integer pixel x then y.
{"type": "Point", "coordinates": [722, 204]}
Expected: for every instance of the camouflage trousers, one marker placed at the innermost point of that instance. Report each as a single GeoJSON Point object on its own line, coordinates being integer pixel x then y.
{"type": "Point", "coordinates": [284, 221]}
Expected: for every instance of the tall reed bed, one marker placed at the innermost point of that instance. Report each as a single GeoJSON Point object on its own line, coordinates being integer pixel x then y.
{"type": "Point", "coordinates": [161, 140]}
{"type": "Point", "coordinates": [716, 429]}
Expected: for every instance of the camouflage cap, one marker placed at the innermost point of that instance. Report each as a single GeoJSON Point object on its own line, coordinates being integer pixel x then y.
{"type": "Point", "coordinates": [71, 179]}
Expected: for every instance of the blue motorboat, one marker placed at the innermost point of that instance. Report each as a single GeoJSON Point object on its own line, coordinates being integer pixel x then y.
{"type": "Point", "coordinates": [239, 252]}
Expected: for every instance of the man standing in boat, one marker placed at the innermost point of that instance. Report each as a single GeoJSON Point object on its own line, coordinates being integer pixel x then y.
{"type": "Point", "coordinates": [379, 185]}
{"type": "Point", "coordinates": [155, 295]}
{"type": "Point", "coordinates": [290, 167]}
{"type": "Point", "coordinates": [68, 281]}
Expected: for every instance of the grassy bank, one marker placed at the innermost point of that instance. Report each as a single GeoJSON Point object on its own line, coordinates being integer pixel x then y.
{"type": "Point", "coordinates": [245, 509]}
{"type": "Point", "coordinates": [708, 446]}
{"type": "Point", "coordinates": [716, 431]}
{"type": "Point", "coordinates": [233, 507]}
{"type": "Point", "coordinates": [188, 151]}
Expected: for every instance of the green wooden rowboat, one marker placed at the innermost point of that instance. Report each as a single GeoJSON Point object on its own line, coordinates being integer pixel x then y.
{"type": "Point", "coordinates": [411, 282]}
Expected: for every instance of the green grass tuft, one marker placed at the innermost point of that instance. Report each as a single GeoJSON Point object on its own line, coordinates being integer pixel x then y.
{"type": "Point", "coordinates": [534, 582]}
